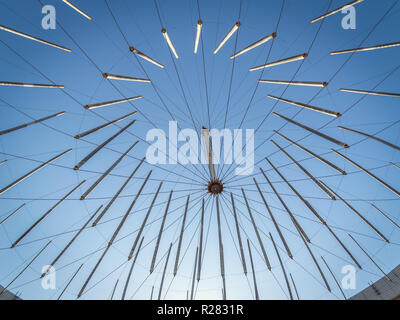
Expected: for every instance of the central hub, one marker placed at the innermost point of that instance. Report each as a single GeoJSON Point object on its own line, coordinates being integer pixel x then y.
{"type": "Point", "coordinates": [215, 187]}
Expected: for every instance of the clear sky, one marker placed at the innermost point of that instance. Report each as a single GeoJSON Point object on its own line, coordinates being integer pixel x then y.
{"type": "Point", "coordinates": [230, 90]}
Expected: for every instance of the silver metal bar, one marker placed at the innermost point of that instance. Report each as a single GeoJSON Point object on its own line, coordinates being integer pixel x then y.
{"type": "Point", "coordinates": [30, 85]}
{"type": "Point", "coordinates": [253, 272]}
{"type": "Point", "coordinates": [297, 83]}
{"type": "Point", "coordinates": [142, 55]}
{"type": "Point", "coordinates": [334, 278]}
{"type": "Point", "coordinates": [115, 287]}
{"type": "Point", "coordinates": [194, 274]}
{"type": "Point", "coordinates": [294, 286]}
{"type": "Point", "coordinates": [238, 235]}
{"type": "Point", "coordinates": [109, 103]}
{"type": "Point", "coordinates": [69, 282]}
{"type": "Point", "coordinates": [336, 10]}
{"type": "Point", "coordinates": [386, 216]}
{"type": "Point", "coordinates": [228, 35]}
{"type": "Point", "coordinates": [128, 279]}
{"type": "Point", "coordinates": [178, 251]}
{"type": "Point", "coordinates": [165, 269]}
{"type": "Point", "coordinates": [375, 93]}
{"type": "Point", "coordinates": [380, 46]}
{"type": "Point", "coordinates": [12, 213]}
{"type": "Point", "coordinates": [221, 249]}
{"type": "Point", "coordinates": [201, 240]}
{"type": "Point", "coordinates": [279, 62]}
{"type": "Point", "coordinates": [123, 78]}
{"type": "Point", "coordinates": [255, 44]}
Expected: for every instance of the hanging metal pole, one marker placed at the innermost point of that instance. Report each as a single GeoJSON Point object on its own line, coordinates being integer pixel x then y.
{"type": "Point", "coordinates": [198, 33]}
{"type": "Point", "coordinates": [13, 184]}
{"type": "Point", "coordinates": [30, 85]}
{"type": "Point", "coordinates": [255, 44]}
{"type": "Point", "coordinates": [77, 9]}
{"type": "Point", "coordinates": [153, 261]}
{"type": "Point", "coordinates": [101, 146]}
{"type": "Point", "coordinates": [256, 231]}
{"type": "Point", "coordinates": [143, 56]}
{"type": "Point", "coordinates": [322, 135]}
{"type": "Point", "coordinates": [294, 286]}
{"type": "Point", "coordinates": [45, 215]}
{"type": "Point", "coordinates": [12, 213]}
{"type": "Point", "coordinates": [208, 144]}
{"type": "Point", "coordinates": [254, 274]}
{"type": "Point", "coordinates": [115, 287]}
{"type": "Point", "coordinates": [201, 240]}
{"type": "Point", "coordinates": [194, 274]}
{"type": "Point", "coordinates": [334, 278]}
{"type": "Point", "coordinates": [123, 78]}
{"type": "Point", "coordinates": [221, 249]}
{"type": "Point", "coordinates": [107, 172]}
{"type": "Point", "coordinates": [279, 62]}
{"type": "Point", "coordinates": [312, 153]}
{"type": "Point", "coordinates": [297, 83]}
{"type": "Point", "coordinates": [152, 291]}
{"type": "Point", "coordinates": [109, 103]}
{"type": "Point", "coordinates": [128, 279]}
{"type": "Point", "coordinates": [169, 42]}
{"type": "Point", "coordinates": [165, 269]}
{"type": "Point", "coordinates": [31, 123]}
{"type": "Point", "coordinates": [274, 221]}
{"type": "Point", "coordinates": [282, 267]}
{"type": "Point", "coordinates": [238, 235]}
{"type": "Point", "coordinates": [226, 38]}
{"type": "Point", "coordinates": [386, 216]}
{"type": "Point", "coordinates": [375, 93]}
{"type": "Point", "coordinates": [336, 10]}
{"type": "Point", "coordinates": [69, 282]}
{"type": "Point", "coordinates": [178, 251]}
{"type": "Point", "coordinates": [380, 46]}
{"type": "Point", "coordinates": [369, 173]}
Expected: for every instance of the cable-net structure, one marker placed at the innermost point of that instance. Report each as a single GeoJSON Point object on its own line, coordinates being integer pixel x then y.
{"type": "Point", "coordinates": [198, 149]}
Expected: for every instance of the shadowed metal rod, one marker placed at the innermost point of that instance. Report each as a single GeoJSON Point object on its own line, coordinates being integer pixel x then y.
{"type": "Point", "coordinates": [12, 213]}
{"type": "Point", "coordinates": [334, 278]}
{"type": "Point", "coordinates": [198, 33]}
{"type": "Point", "coordinates": [238, 235]}
{"type": "Point", "coordinates": [273, 220]}
{"type": "Point", "coordinates": [70, 242]}
{"type": "Point", "coordinates": [13, 184]}
{"type": "Point", "coordinates": [3, 162]}
{"type": "Point", "coordinates": [178, 251]}
{"type": "Point", "coordinates": [371, 137]}
{"type": "Point", "coordinates": [201, 240]}
{"type": "Point", "coordinates": [330, 164]}
{"type": "Point", "coordinates": [395, 165]}
{"type": "Point", "coordinates": [24, 269]}
{"type": "Point", "coordinates": [253, 272]}
{"type": "Point", "coordinates": [396, 192]}
{"type": "Point", "coordinates": [380, 46]}
{"type": "Point", "coordinates": [336, 10]}
{"type": "Point", "coordinates": [124, 78]}
{"type": "Point", "coordinates": [31, 123]}
{"type": "Point", "coordinates": [130, 271]}
{"type": "Point", "coordinates": [226, 38]}
{"type": "Point", "coordinates": [46, 214]}
{"type": "Point", "coordinates": [19, 33]}
{"type": "Point", "coordinates": [369, 257]}
{"type": "Point", "coordinates": [311, 208]}
{"type": "Point", "coordinates": [153, 261]}
{"type": "Point", "coordinates": [69, 282]}
{"type": "Point", "coordinates": [386, 216]}
{"type": "Point", "coordinates": [358, 214]}
{"type": "Point", "coordinates": [194, 274]}
{"type": "Point", "coordinates": [257, 232]}
{"type": "Point", "coordinates": [101, 146]}
{"type": "Point", "coordinates": [306, 106]}
{"type": "Point", "coordinates": [165, 270]}
{"type": "Point", "coordinates": [296, 83]}
{"type": "Point", "coordinates": [109, 103]}
{"type": "Point", "coordinates": [145, 57]}
{"type": "Point", "coordinates": [282, 267]}
{"type": "Point", "coordinates": [115, 288]}
{"type": "Point", "coordinates": [255, 44]}
{"type": "Point", "coordinates": [322, 135]}
{"type": "Point", "coordinates": [279, 62]}
{"type": "Point", "coordinates": [29, 85]}
{"type": "Point", "coordinates": [106, 173]}
{"type": "Point", "coordinates": [294, 286]}
{"type": "Point", "coordinates": [105, 125]}
{"type": "Point", "coordinates": [376, 93]}
{"type": "Point", "coordinates": [169, 42]}
{"type": "Point", "coordinates": [221, 249]}
{"type": "Point", "coordinates": [77, 9]}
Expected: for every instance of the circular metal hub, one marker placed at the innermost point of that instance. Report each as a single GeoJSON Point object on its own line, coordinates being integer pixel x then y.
{"type": "Point", "coordinates": [215, 187]}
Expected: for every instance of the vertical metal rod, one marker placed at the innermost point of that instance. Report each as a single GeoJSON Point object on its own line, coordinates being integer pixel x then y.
{"type": "Point", "coordinates": [201, 241]}
{"type": "Point", "coordinates": [221, 249]}
{"type": "Point", "coordinates": [208, 144]}
{"type": "Point", "coordinates": [153, 261]}
{"type": "Point", "coordinates": [115, 287]}
{"type": "Point", "coordinates": [194, 274]}
{"type": "Point", "coordinates": [152, 291]}
{"type": "Point", "coordinates": [386, 216]}
{"type": "Point", "coordinates": [128, 279]}
{"type": "Point", "coordinates": [294, 286]}
{"type": "Point", "coordinates": [238, 235]}
{"type": "Point", "coordinates": [334, 278]}
{"type": "Point", "coordinates": [165, 270]}
{"type": "Point", "coordinates": [12, 213]}
{"type": "Point", "coordinates": [69, 282]}
{"type": "Point", "coordinates": [252, 270]}
{"type": "Point", "coordinates": [178, 251]}
{"type": "Point", "coordinates": [256, 231]}
{"type": "Point", "coordinates": [45, 215]}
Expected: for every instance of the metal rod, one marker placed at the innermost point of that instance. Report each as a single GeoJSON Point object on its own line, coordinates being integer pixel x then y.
{"type": "Point", "coordinates": [19, 33]}
{"type": "Point", "coordinates": [77, 9]}
{"type": "Point", "coordinates": [255, 44]}
{"type": "Point", "coordinates": [70, 242]}
{"type": "Point", "coordinates": [13, 184]}
{"type": "Point", "coordinates": [297, 83]}
{"type": "Point", "coordinates": [395, 165]}
{"type": "Point", "coordinates": [12, 213]}
{"type": "Point", "coordinates": [3, 162]}
{"type": "Point", "coordinates": [396, 192]}
{"type": "Point", "coordinates": [165, 269]}
{"type": "Point", "coordinates": [169, 42]}
{"type": "Point", "coordinates": [294, 286]}
{"type": "Point", "coordinates": [322, 135]}
{"type": "Point", "coordinates": [371, 137]}
{"type": "Point", "coordinates": [253, 272]}
{"type": "Point", "coordinates": [152, 291]}
{"type": "Point", "coordinates": [386, 216]}
{"type": "Point", "coordinates": [106, 173]}
{"type": "Point", "coordinates": [380, 46]}
{"type": "Point", "coordinates": [69, 282]}
{"type": "Point", "coordinates": [101, 146]}
{"type": "Point", "coordinates": [153, 261]}
{"type": "Point", "coordinates": [221, 249]}
{"type": "Point", "coordinates": [358, 214]}
{"type": "Point", "coordinates": [178, 251]}
{"type": "Point", "coordinates": [282, 267]}
{"type": "Point", "coordinates": [30, 85]}
{"type": "Point", "coordinates": [256, 231]}
{"type": "Point", "coordinates": [386, 94]}
{"type": "Point", "coordinates": [144, 221]}
{"type": "Point", "coordinates": [330, 164]}
{"type": "Point", "coordinates": [142, 55]}
{"type": "Point", "coordinates": [336, 10]}
{"type": "Point", "coordinates": [128, 279]}
{"type": "Point", "coordinates": [279, 62]}
{"type": "Point", "coordinates": [115, 287]}
{"type": "Point", "coordinates": [306, 172]}
{"type": "Point", "coordinates": [45, 215]}
{"type": "Point", "coordinates": [334, 278]}
{"type": "Point", "coordinates": [228, 35]}
{"type": "Point", "coordinates": [109, 103]}
{"type": "Point", "coordinates": [194, 274]}
{"type": "Point", "coordinates": [201, 240]}
{"type": "Point", "coordinates": [208, 144]}
{"type": "Point", "coordinates": [123, 78]}
{"type": "Point", "coordinates": [31, 123]}
{"type": "Point", "coordinates": [198, 33]}
{"type": "Point", "coordinates": [294, 221]}
{"type": "Point", "coordinates": [238, 235]}
{"type": "Point", "coordinates": [306, 106]}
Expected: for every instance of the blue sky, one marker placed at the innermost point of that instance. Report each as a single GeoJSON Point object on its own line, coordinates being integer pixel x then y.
{"type": "Point", "coordinates": [100, 39]}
